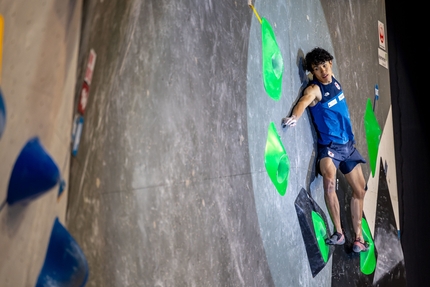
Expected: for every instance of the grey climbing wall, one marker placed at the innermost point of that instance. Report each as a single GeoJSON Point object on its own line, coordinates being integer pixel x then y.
{"type": "Point", "coordinates": [169, 185]}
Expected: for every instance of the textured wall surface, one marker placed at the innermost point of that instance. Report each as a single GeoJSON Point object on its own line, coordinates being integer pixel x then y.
{"type": "Point", "coordinates": [171, 167]}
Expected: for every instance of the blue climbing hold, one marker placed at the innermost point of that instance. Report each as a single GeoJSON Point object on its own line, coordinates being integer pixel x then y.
{"type": "Point", "coordinates": [65, 264]}
{"type": "Point", "coordinates": [33, 174]}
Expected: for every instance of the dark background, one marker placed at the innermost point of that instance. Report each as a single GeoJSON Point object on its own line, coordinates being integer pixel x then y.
{"type": "Point", "coordinates": [407, 51]}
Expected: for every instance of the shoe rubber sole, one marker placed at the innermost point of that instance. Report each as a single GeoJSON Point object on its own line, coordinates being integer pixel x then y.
{"type": "Point", "coordinates": [359, 246]}
{"type": "Point", "coordinates": [335, 239]}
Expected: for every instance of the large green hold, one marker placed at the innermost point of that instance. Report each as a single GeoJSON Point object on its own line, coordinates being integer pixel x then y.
{"type": "Point", "coordinates": [276, 160]}
{"type": "Point", "coordinates": [273, 64]}
{"type": "Point", "coordinates": [373, 135]}
{"type": "Point", "coordinates": [368, 258]}
{"type": "Point", "coordinates": [320, 234]}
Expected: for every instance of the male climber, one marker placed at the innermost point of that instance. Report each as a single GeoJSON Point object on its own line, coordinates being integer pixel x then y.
{"type": "Point", "coordinates": [336, 145]}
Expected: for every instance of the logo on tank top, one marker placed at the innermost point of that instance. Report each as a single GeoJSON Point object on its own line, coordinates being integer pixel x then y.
{"type": "Point", "coordinates": [330, 154]}
{"type": "Point", "coordinates": [337, 85]}
{"type": "Point", "coordinates": [332, 103]}
{"type": "Point", "coordinates": [326, 94]}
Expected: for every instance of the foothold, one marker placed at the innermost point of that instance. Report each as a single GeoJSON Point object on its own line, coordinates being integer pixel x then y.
{"type": "Point", "coordinates": [65, 264]}
{"type": "Point", "coordinates": [33, 174]}
{"type": "Point", "coordinates": [313, 225]}
{"type": "Point", "coordinates": [321, 234]}
{"type": "Point", "coordinates": [367, 258]}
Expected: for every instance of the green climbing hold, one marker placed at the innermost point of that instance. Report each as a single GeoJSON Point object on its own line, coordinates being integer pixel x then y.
{"type": "Point", "coordinates": [273, 64]}
{"type": "Point", "coordinates": [373, 135]}
{"type": "Point", "coordinates": [367, 258]}
{"type": "Point", "coordinates": [276, 160]}
{"type": "Point", "coordinates": [320, 234]}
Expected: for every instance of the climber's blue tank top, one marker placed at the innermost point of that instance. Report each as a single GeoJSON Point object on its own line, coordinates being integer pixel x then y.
{"type": "Point", "coordinates": [330, 116]}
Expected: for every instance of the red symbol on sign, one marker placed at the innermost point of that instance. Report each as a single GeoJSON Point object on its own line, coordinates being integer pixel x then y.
{"type": "Point", "coordinates": [83, 99]}
{"type": "Point", "coordinates": [381, 34]}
